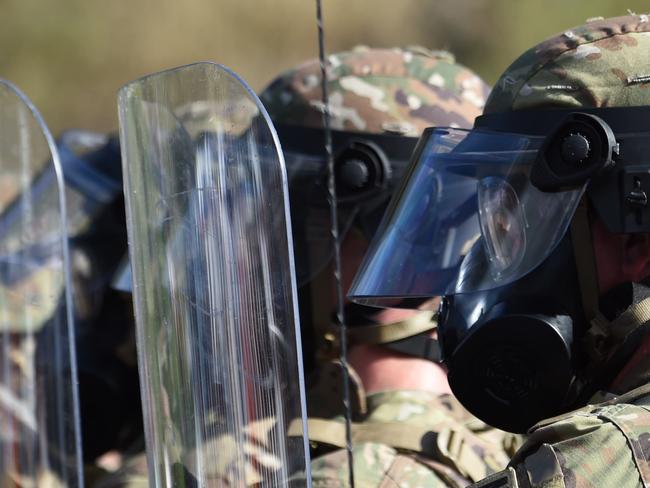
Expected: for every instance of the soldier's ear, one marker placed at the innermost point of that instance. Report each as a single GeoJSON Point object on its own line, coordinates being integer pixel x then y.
{"type": "Point", "coordinates": [609, 253]}
{"type": "Point", "coordinates": [620, 258]}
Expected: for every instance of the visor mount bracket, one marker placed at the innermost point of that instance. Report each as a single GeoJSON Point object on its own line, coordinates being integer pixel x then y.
{"type": "Point", "coordinates": [355, 173]}
{"type": "Point", "coordinates": [580, 147]}
{"type": "Point", "coordinates": [575, 148]}
{"type": "Point", "coordinates": [361, 169]}
{"type": "Point", "coordinates": [637, 198]}
{"type": "Point", "coordinates": [636, 185]}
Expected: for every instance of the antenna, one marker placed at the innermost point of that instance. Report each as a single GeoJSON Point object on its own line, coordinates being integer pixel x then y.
{"type": "Point", "coordinates": [331, 190]}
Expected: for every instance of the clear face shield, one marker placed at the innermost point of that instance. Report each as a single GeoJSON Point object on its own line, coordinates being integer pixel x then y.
{"type": "Point", "coordinates": [214, 284]}
{"type": "Point", "coordinates": [466, 219]}
{"type": "Point", "coordinates": [39, 410]}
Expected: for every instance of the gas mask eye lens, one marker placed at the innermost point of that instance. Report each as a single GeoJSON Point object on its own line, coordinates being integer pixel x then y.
{"type": "Point", "coordinates": [502, 225]}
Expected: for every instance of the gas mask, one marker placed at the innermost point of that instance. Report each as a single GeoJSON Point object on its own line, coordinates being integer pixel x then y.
{"type": "Point", "coordinates": [495, 220]}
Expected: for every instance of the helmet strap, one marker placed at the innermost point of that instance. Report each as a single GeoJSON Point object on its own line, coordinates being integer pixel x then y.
{"type": "Point", "coordinates": [325, 332]}
{"type": "Point", "coordinates": [585, 260]}
{"type": "Point", "coordinates": [625, 334]}
{"type": "Point", "coordinates": [385, 334]}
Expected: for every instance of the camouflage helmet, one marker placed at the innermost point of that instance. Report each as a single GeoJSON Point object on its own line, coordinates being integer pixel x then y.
{"type": "Point", "coordinates": [400, 91]}
{"type": "Point", "coordinates": [602, 63]}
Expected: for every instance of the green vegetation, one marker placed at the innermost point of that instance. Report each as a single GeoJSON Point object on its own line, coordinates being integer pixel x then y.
{"type": "Point", "coordinates": [71, 56]}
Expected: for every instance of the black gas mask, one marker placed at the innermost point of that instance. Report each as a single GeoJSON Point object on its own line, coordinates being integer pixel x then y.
{"type": "Point", "coordinates": [514, 348]}
{"type": "Point", "coordinates": [495, 220]}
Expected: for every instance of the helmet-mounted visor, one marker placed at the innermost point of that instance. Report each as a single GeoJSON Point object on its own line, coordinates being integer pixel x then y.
{"type": "Point", "coordinates": [480, 209]}
{"type": "Point", "coordinates": [467, 219]}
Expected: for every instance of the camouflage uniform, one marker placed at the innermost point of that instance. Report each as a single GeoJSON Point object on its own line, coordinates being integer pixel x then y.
{"type": "Point", "coordinates": [407, 438]}
{"type": "Point", "coordinates": [604, 63]}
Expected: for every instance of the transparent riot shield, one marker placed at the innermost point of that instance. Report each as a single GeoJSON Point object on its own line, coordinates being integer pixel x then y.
{"type": "Point", "coordinates": [213, 282]}
{"type": "Point", "coordinates": [39, 415]}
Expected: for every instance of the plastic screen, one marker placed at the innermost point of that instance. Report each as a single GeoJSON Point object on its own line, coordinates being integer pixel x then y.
{"type": "Point", "coordinates": [213, 282]}
{"type": "Point", "coordinates": [39, 415]}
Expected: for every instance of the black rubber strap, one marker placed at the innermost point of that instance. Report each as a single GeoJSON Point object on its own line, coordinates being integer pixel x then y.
{"type": "Point", "coordinates": [420, 346]}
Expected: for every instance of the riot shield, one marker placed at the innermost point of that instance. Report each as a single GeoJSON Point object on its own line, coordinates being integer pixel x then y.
{"type": "Point", "coordinates": [213, 282]}
{"type": "Point", "coordinates": [39, 410]}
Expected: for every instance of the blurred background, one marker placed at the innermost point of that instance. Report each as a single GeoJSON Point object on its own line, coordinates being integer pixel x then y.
{"type": "Point", "coordinates": [71, 56]}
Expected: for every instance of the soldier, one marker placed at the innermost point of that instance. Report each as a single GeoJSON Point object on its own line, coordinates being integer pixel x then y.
{"type": "Point", "coordinates": [546, 298]}
{"type": "Point", "coordinates": [381, 101]}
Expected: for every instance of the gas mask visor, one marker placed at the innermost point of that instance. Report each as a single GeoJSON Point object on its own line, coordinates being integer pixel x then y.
{"type": "Point", "coordinates": [469, 217]}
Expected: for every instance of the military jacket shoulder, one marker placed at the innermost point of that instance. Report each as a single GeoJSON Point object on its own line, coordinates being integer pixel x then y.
{"type": "Point", "coordinates": [606, 444]}
{"type": "Point", "coordinates": [414, 439]}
